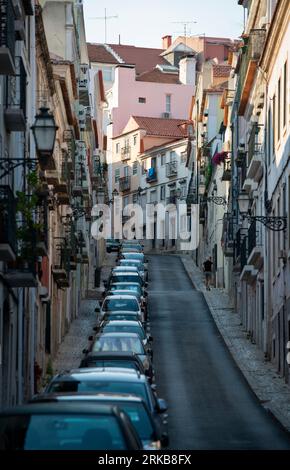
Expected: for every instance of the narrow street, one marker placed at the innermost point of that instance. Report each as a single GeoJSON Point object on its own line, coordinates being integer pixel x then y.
{"type": "Point", "coordinates": [210, 404]}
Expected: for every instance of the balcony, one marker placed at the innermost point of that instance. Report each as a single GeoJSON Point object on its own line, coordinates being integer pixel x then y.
{"type": "Point", "coordinates": [125, 153]}
{"type": "Point", "coordinates": [227, 173]}
{"type": "Point", "coordinates": [7, 38]}
{"type": "Point", "coordinates": [63, 186]}
{"type": "Point", "coordinates": [8, 245]}
{"type": "Point", "coordinates": [171, 169]}
{"type": "Point", "coordinates": [125, 184]}
{"type": "Point", "coordinates": [15, 106]}
{"type": "Point", "coordinates": [255, 163]}
{"type": "Point", "coordinates": [249, 63]}
{"type": "Point", "coordinates": [21, 273]}
{"type": "Point", "coordinates": [84, 97]}
{"type": "Point", "coordinates": [61, 269]}
{"type": "Point", "coordinates": [151, 175]}
{"type": "Point", "coordinates": [255, 250]}
{"type": "Point", "coordinates": [227, 237]}
{"type": "Point", "coordinates": [52, 177]}
{"type": "Point", "coordinates": [171, 199]}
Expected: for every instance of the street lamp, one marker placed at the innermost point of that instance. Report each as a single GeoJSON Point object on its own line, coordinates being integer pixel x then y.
{"type": "Point", "coordinates": [218, 200]}
{"type": "Point", "coordinates": [44, 132]}
{"type": "Point", "coordinates": [276, 224]}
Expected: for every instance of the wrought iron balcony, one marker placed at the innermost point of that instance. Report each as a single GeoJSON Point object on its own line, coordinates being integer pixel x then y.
{"type": "Point", "coordinates": [8, 245]}
{"type": "Point", "coordinates": [126, 153]}
{"type": "Point", "coordinates": [171, 169]}
{"type": "Point", "coordinates": [125, 184]}
{"type": "Point", "coordinates": [61, 268]}
{"type": "Point", "coordinates": [15, 106]}
{"type": "Point", "coordinates": [171, 199]}
{"type": "Point", "coordinates": [255, 162]}
{"type": "Point", "coordinates": [151, 175]}
{"type": "Point", "coordinates": [244, 252]}
{"type": "Point", "coordinates": [21, 273]}
{"type": "Point", "coordinates": [227, 237]}
{"type": "Point", "coordinates": [7, 38]}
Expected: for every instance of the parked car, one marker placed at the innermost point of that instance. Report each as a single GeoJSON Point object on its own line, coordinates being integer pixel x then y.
{"type": "Point", "coordinates": [116, 303]}
{"type": "Point", "coordinates": [125, 277]}
{"type": "Point", "coordinates": [151, 431]}
{"type": "Point", "coordinates": [140, 298]}
{"type": "Point", "coordinates": [108, 380]}
{"type": "Point", "coordinates": [64, 426]}
{"type": "Point", "coordinates": [132, 286]}
{"type": "Point", "coordinates": [122, 316]}
{"type": "Point", "coordinates": [131, 245]}
{"type": "Point", "coordinates": [135, 263]}
{"type": "Point", "coordinates": [136, 256]}
{"type": "Point", "coordinates": [115, 326]}
{"type": "Point", "coordinates": [117, 341]}
{"type": "Point", "coordinates": [112, 245]}
{"type": "Point", "coordinates": [118, 359]}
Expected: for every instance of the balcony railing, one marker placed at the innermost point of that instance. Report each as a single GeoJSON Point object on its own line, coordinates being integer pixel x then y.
{"type": "Point", "coordinates": [125, 153]}
{"type": "Point", "coordinates": [8, 245]}
{"type": "Point", "coordinates": [84, 85]}
{"type": "Point", "coordinates": [171, 169]}
{"type": "Point", "coordinates": [252, 237]}
{"type": "Point", "coordinates": [61, 268]}
{"type": "Point", "coordinates": [125, 183]}
{"type": "Point", "coordinates": [244, 252]}
{"type": "Point", "coordinates": [151, 175]}
{"type": "Point", "coordinates": [7, 37]}
{"type": "Point", "coordinates": [15, 111]}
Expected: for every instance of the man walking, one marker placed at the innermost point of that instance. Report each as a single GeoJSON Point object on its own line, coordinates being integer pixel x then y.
{"type": "Point", "coordinates": [207, 267]}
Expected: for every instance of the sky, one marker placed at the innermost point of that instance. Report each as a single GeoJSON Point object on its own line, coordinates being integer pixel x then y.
{"type": "Point", "coordinates": [144, 22]}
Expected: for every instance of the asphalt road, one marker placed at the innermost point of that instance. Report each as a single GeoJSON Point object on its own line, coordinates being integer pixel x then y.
{"type": "Point", "coordinates": [210, 404]}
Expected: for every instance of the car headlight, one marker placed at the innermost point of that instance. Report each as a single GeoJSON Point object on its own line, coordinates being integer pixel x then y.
{"type": "Point", "coordinates": [155, 445]}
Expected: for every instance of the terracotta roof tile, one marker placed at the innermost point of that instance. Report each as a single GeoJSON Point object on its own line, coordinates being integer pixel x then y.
{"type": "Point", "coordinates": [98, 53]}
{"type": "Point", "coordinates": [221, 70]}
{"type": "Point", "coordinates": [143, 58]}
{"type": "Point", "coordinates": [159, 77]}
{"type": "Point", "coordinates": [161, 127]}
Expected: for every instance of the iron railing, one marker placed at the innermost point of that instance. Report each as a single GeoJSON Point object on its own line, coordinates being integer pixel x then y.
{"type": "Point", "coordinates": [125, 183]}
{"type": "Point", "coordinates": [8, 217]}
{"type": "Point", "coordinates": [252, 236]}
{"type": "Point", "coordinates": [244, 252]}
{"type": "Point", "coordinates": [16, 87]}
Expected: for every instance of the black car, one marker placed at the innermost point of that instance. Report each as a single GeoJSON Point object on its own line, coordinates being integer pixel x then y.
{"type": "Point", "coordinates": [63, 426]}
{"type": "Point", "coordinates": [151, 431]}
{"type": "Point", "coordinates": [107, 380]}
{"type": "Point", "coordinates": [125, 360]}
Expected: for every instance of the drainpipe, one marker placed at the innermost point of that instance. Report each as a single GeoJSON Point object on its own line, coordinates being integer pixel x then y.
{"type": "Point", "coordinates": [197, 176]}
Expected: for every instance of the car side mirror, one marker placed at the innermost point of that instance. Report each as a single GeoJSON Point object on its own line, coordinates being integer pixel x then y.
{"type": "Point", "coordinates": [85, 351]}
{"type": "Point", "coordinates": [154, 387]}
{"type": "Point", "coordinates": [97, 309]}
{"type": "Point", "coordinates": [96, 328]}
{"type": "Point", "coordinates": [150, 338]}
{"type": "Point", "coordinates": [162, 405]}
{"type": "Point", "coordinates": [105, 284]}
{"type": "Point", "coordinates": [90, 338]}
{"type": "Point", "coordinates": [146, 284]}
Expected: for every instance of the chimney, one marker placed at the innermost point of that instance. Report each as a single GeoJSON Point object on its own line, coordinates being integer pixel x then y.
{"type": "Point", "coordinates": [187, 70]}
{"type": "Point", "coordinates": [166, 41]}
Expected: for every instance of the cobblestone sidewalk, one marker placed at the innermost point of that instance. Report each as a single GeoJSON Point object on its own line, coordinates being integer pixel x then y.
{"type": "Point", "coordinates": [70, 351]}
{"type": "Point", "coordinates": [262, 377]}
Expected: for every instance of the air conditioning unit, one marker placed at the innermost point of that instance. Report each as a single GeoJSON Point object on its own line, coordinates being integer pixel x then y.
{"type": "Point", "coordinates": [165, 115]}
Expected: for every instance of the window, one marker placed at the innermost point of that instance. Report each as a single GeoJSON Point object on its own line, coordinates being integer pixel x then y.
{"type": "Point", "coordinates": [172, 156]}
{"type": "Point", "coordinates": [183, 157]}
{"type": "Point", "coordinates": [135, 139]}
{"type": "Point", "coordinates": [117, 175]}
{"type": "Point", "coordinates": [107, 74]}
{"type": "Point", "coordinates": [144, 167]}
{"type": "Point", "coordinates": [168, 103]}
{"type": "Point", "coordinates": [162, 192]}
{"type": "Point", "coordinates": [118, 147]}
{"type": "Point", "coordinates": [269, 136]}
{"type": "Point", "coordinates": [142, 99]}
{"type": "Point", "coordinates": [126, 201]}
{"type": "Point", "coordinates": [183, 191]}
{"type": "Point", "coordinates": [127, 143]}
{"type": "Point", "coordinates": [153, 196]}
{"type": "Point", "coordinates": [162, 159]}
{"type": "Point", "coordinates": [285, 77]}
{"type": "Point", "coordinates": [135, 168]}
{"type": "Point", "coordinates": [279, 110]}
{"type": "Point", "coordinates": [153, 162]}
{"type": "Point", "coordinates": [135, 198]}
{"type": "Point", "coordinates": [126, 171]}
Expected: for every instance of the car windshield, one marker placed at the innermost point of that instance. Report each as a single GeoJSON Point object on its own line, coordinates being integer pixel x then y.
{"type": "Point", "coordinates": [96, 386]}
{"type": "Point", "coordinates": [118, 305]}
{"type": "Point", "coordinates": [126, 278]}
{"type": "Point", "coordinates": [60, 432]}
{"type": "Point", "coordinates": [138, 256]}
{"type": "Point", "coordinates": [113, 363]}
{"type": "Point", "coordinates": [125, 329]}
{"type": "Point", "coordinates": [132, 264]}
{"type": "Point", "coordinates": [131, 287]}
{"type": "Point", "coordinates": [118, 343]}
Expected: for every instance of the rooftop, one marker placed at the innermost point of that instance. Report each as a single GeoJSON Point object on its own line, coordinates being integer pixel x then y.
{"type": "Point", "coordinates": [161, 127]}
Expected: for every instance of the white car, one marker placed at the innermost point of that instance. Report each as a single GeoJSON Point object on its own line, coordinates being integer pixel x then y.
{"type": "Point", "coordinates": [121, 303]}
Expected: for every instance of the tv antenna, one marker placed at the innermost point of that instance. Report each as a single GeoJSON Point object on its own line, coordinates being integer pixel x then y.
{"type": "Point", "coordinates": [105, 18]}
{"type": "Point", "coordinates": [185, 25]}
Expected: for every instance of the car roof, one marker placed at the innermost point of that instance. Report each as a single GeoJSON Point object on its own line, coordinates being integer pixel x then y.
{"type": "Point", "coordinates": [105, 373]}
{"type": "Point", "coordinates": [135, 284]}
{"type": "Point", "coordinates": [123, 322]}
{"type": "Point", "coordinates": [121, 312]}
{"type": "Point", "coordinates": [130, 355]}
{"type": "Point", "coordinates": [101, 396]}
{"type": "Point", "coordinates": [126, 273]}
{"type": "Point", "coordinates": [121, 297]}
{"type": "Point", "coordinates": [57, 407]}
{"type": "Point", "coordinates": [126, 292]}
{"type": "Point", "coordinates": [117, 334]}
